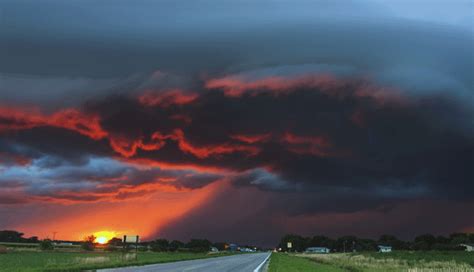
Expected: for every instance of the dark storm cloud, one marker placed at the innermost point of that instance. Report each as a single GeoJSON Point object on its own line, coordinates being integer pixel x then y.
{"type": "Point", "coordinates": [312, 137]}
{"type": "Point", "coordinates": [260, 220]}
{"type": "Point", "coordinates": [333, 107]}
{"type": "Point", "coordinates": [340, 136]}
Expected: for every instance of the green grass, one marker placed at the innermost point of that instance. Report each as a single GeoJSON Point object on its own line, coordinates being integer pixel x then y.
{"type": "Point", "coordinates": [398, 261]}
{"type": "Point", "coordinates": [77, 261]}
{"type": "Point", "coordinates": [282, 262]}
{"type": "Point", "coordinates": [428, 256]}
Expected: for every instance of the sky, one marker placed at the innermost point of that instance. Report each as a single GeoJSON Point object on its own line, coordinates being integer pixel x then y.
{"type": "Point", "coordinates": [236, 121]}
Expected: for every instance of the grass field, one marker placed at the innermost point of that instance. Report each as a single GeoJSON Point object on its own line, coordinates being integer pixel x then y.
{"type": "Point", "coordinates": [412, 257]}
{"type": "Point", "coordinates": [77, 261]}
{"type": "Point", "coordinates": [434, 261]}
{"type": "Point", "coordinates": [282, 262]}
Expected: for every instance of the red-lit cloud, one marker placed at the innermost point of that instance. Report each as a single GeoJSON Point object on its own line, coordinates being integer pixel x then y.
{"type": "Point", "coordinates": [18, 119]}
{"type": "Point", "coordinates": [315, 145]}
{"type": "Point", "coordinates": [167, 98]}
{"type": "Point", "coordinates": [252, 139]}
{"type": "Point", "coordinates": [236, 86]}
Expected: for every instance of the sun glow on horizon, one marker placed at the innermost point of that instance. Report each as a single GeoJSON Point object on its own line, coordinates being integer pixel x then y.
{"type": "Point", "coordinates": [102, 237]}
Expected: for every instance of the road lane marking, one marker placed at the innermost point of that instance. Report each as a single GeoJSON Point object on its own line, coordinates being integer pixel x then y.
{"type": "Point", "coordinates": [260, 265]}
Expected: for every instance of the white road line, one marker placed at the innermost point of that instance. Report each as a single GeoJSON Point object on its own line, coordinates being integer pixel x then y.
{"type": "Point", "coordinates": [260, 265]}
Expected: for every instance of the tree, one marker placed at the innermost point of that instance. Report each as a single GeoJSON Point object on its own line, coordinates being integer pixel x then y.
{"type": "Point", "coordinates": [159, 245]}
{"type": "Point", "coordinates": [115, 241]}
{"type": "Point", "coordinates": [11, 236]}
{"type": "Point", "coordinates": [424, 242]}
{"type": "Point", "coordinates": [89, 243]}
{"type": "Point", "coordinates": [459, 238]}
{"type": "Point", "coordinates": [175, 245]}
{"type": "Point", "coordinates": [346, 243]}
{"type": "Point", "coordinates": [46, 244]}
{"type": "Point", "coordinates": [366, 245]}
{"type": "Point", "coordinates": [32, 239]}
{"type": "Point", "coordinates": [114, 244]}
{"type": "Point", "coordinates": [298, 243]}
{"type": "Point", "coordinates": [321, 241]}
{"type": "Point", "coordinates": [442, 240]}
{"type": "Point", "coordinates": [390, 240]}
{"type": "Point", "coordinates": [199, 245]}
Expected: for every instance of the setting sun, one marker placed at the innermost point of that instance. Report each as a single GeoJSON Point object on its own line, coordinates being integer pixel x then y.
{"type": "Point", "coordinates": [104, 236]}
{"type": "Point", "coordinates": [101, 240]}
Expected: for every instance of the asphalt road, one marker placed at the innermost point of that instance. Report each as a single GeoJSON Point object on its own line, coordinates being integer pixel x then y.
{"type": "Point", "coordinates": [235, 263]}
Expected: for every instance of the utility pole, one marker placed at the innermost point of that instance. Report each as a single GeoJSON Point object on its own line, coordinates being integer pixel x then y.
{"type": "Point", "coordinates": [54, 235]}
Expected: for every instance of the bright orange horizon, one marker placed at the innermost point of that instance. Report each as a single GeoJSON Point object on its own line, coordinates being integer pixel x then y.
{"type": "Point", "coordinates": [143, 216]}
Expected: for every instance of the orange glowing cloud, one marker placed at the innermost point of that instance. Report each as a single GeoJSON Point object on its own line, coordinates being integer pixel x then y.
{"type": "Point", "coordinates": [251, 138]}
{"type": "Point", "coordinates": [236, 86]}
{"type": "Point", "coordinates": [12, 118]}
{"type": "Point", "coordinates": [204, 151]}
{"type": "Point", "coordinates": [148, 163]}
{"type": "Point", "coordinates": [166, 98]}
{"type": "Point", "coordinates": [128, 148]}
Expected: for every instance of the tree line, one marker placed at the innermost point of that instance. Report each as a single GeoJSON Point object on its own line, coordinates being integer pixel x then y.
{"type": "Point", "coordinates": [13, 236]}
{"type": "Point", "coordinates": [350, 243]}
{"type": "Point", "coordinates": [89, 243]}
{"type": "Point", "coordinates": [157, 245]}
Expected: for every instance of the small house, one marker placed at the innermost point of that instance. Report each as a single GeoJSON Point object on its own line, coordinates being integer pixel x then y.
{"type": "Point", "coordinates": [469, 247]}
{"type": "Point", "coordinates": [385, 248]}
{"type": "Point", "coordinates": [317, 250]}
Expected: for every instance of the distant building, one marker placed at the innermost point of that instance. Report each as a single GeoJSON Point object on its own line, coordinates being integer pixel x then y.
{"type": "Point", "coordinates": [317, 250]}
{"type": "Point", "coordinates": [385, 248]}
{"type": "Point", "coordinates": [469, 247]}
{"type": "Point", "coordinates": [233, 247]}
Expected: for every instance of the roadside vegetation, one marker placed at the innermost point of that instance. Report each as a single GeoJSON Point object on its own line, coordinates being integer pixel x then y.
{"type": "Point", "coordinates": [396, 261]}
{"type": "Point", "coordinates": [30, 261]}
{"type": "Point", "coordinates": [282, 262]}
{"type": "Point", "coordinates": [350, 243]}
{"type": "Point", "coordinates": [350, 253]}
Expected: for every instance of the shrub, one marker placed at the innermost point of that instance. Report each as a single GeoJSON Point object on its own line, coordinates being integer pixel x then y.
{"type": "Point", "coordinates": [159, 245]}
{"type": "Point", "coordinates": [111, 248]}
{"type": "Point", "coordinates": [175, 245]}
{"type": "Point", "coordinates": [89, 243]}
{"type": "Point", "coordinates": [46, 244]}
{"type": "Point", "coordinates": [89, 246]}
{"type": "Point", "coordinates": [143, 248]}
{"type": "Point", "coordinates": [199, 245]}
